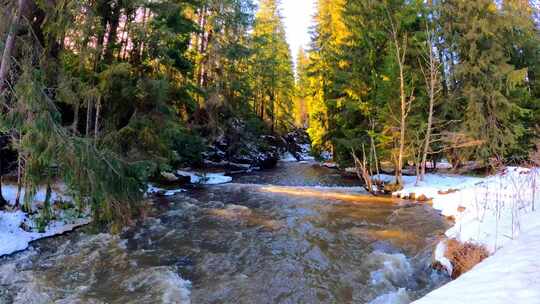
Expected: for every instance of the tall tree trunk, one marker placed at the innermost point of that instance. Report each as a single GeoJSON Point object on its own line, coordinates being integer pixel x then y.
{"type": "Point", "coordinates": [103, 11]}
{"type": "Point", "coordinates": [272, 111]}
{"type": "Point", "coordinates": [122, 51]}
{"type": "Point", "coordinates": [3, 202]}
{"type": "Point", "coordinates": [202, 44]}
{"type": "Point", "coordinates": [399, 169]}
{"type": "Point", "coordinates": [114, 21]}
{"type": "Point", "coordinates": [431, 76]}
{"type": "Point", "coordinates": [444, 77]}
{"type": "Point", "coordinates": [75, 124]}
{"type": "Point", "coordinates": [19, 177]}
{"type": "Point", "coordinates": [10, 46]}
{"type": "Point", "coordinates": [206, 62]}
{"type": "Point", "coordinates": [146, 18]}
{"type": "Point", "coordinates": [401, 51]}
{"type": "Point", "coordinates": [89, 110]}
{"type": "Point", "coordinates": [96, 123]}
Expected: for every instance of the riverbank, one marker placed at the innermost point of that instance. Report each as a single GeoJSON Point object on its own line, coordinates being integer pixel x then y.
{"type": "Point", "coordinates": [500, 212]}
{"type": "Point", "coordinates": [18, 229]}
{"type": "Point", "coordinates": [241, 243]}
{"type": "Point", "coordinates": [494, 211]}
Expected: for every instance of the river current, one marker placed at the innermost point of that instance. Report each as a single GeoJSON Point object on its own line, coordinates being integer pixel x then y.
{"type": "Point", "coordinates": [300, 233]}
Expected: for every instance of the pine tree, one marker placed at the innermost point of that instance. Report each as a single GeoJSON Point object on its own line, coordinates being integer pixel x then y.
{"type": "Point", "coordinates": [272, 67]}
{"type": "Point", "coordinates": [326, 67]}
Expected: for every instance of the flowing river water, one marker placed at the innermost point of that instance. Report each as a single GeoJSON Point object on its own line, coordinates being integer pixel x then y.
{"type": "Point", "coordinates": [295, 234]}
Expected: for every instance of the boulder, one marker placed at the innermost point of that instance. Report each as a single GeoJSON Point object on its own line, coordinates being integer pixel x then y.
{"type": "Point", "coordinates": [422, 198]}
{"type": "Point", "coordinates": [169, 177]}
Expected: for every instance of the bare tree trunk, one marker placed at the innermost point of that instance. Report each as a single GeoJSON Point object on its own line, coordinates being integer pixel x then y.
{"type": "Point", "coordinates": [122, 51]}
{"type": "Point", "coordinates": [112, 40]}
{"type": "Point", "coordinates": [146, 21]}
{"type": "Point", "coordinates": [75, 124]}
{"type": "Point", "coordinates": [431, 76]}
{"type": "Point", "coordinates": [273, 111]}
{"type": "Point", "coordinates": [363, 172]}
{"type": "Point", "coordinates": [401, 52]}
{"type": "Point", "coordinates": [402, 128]}
{"type": "Point", "coordinates": [206, 62]}
{"type": "Point", "coordinates": [376, 158]}
{"type": "Point", "coordinates": [3, 202]}
{"type": "Point", "coordinates": [403, 106]}
{"type": "Point", "coordinates": [202, 44]}
{"type": "Point", "coordinates": [10, 46]}
{"type": "Point", "coordinates": [96, 123]}
{"type": "Point", "coordinates": [19, 178]}
{"type": "Point", "coordinates": [89, 111]}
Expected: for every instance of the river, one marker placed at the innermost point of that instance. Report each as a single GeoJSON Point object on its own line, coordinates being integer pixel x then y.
{"type": "Point", "coordinates": [300, 233]}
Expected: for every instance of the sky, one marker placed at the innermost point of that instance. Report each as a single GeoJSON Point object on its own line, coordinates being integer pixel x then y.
{"type": "Point", "coordinates": [298, 16]}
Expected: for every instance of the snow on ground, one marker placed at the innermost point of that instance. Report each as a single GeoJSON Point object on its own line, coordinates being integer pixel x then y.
{"type": "Point", "coordinates": [13, 238]}
{"type": "Point", "coordinates": [206, 178]}
{"type": "Point", "coordinates": [491, 210]}
{"type": "Point", "coordinates": [154, 190]}
{"type": "Point", "coordinates": [304, 155]}
{"type": "Point", "coordinates": [306, 152]}
{"type": "Point", "coordinates": [511, 275]}
{"type": "Point", "coordinates": [288, 157]}
{"type": "Point", "coordinates": [501, 212]}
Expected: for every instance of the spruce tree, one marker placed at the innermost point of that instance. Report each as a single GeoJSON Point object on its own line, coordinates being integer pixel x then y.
{"type": "Point", "coordinates": [483, 74]}
{"type": "Point", "coordinates": [272, 67]}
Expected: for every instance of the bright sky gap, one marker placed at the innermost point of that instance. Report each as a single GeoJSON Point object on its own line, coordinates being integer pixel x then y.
{"type": "Point", "coordinates": [298, 17]}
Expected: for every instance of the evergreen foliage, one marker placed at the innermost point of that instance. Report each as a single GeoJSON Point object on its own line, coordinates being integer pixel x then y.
{"type": "Point", "coordinates": [367, 89]}
{"type": "Point", "coordinates": [106, 94]}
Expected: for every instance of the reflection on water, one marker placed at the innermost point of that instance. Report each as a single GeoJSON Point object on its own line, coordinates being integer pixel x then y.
{"type": "Point", "coordinates": [328, 193]}
{"type": "Point", "coordinates": [240, 243]}
{"type": "Point", "coordinates": [298, 174]}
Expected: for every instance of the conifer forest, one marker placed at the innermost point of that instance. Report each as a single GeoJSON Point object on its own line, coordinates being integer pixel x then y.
{"type": "Point", "coordinates": [116, 112]}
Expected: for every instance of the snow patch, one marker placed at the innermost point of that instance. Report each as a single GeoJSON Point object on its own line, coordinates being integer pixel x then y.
{"type": "Point", "coordinates": [13, 238]}
{"type": "Point", "coordinates": [439, 256]}
{"type": "Point", "coordinates": [306, 152]}
{"type": "Point", "coordinates": [206, 178]}
{"type": "Point", "coordinates": [288, 157]}
{"type": "Point", "coordinates": [153, 190]}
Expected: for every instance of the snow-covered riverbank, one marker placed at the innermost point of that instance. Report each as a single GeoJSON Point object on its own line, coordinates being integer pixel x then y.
{"type": "Point", "coordinates": [14, 238]}
{"type": "Point", "coordinates": [500, 212]}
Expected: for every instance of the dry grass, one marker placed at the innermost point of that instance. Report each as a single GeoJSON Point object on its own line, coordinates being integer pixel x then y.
{"type": "Point", "coordinates": [464, 256]}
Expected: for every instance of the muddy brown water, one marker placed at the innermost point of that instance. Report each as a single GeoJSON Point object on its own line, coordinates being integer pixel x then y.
{"type": "Point", "coordinates": [296, 234]}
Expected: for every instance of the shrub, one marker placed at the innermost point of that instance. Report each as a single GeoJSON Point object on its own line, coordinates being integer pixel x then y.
{"type": "Point", "coordinates": [188, 147]}
{"type": "Point", "coordinates": [464, 256]}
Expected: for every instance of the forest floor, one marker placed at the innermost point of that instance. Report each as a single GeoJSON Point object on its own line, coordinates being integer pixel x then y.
{"type": "Point", "coordinates": [500, 212]}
